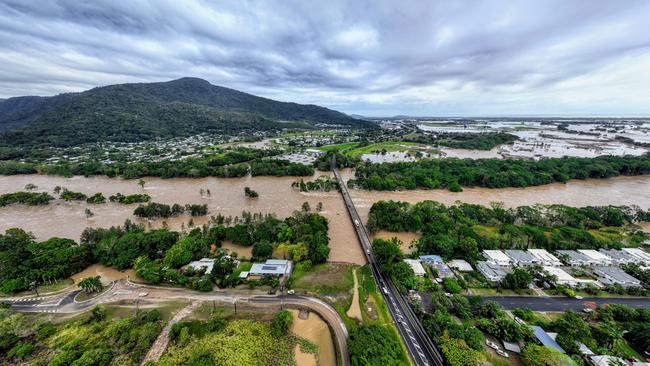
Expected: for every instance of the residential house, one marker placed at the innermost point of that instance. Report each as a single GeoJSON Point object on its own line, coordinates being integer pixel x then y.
{"type": "Point", "coordinates": [615, 276]}
{"type": "Point", "coordinates": [416, 266]}
{"type": "Point", "coordinates": [521, 258]}
{"type": "Point", "coordinates": [497, 257]}
{"type": "Point", "coordinates": [492, 272]}
{"type": "Point", "coordinates": [545, 258]}
{"type": "Point", "coordinates": [576, 259]}
{"type": "Point", "coordinates": [436, 262]}
{"type": "Point", "coordinates": [272, 267]}
{"type": "Point", "coordinates": [460, 265]}
{"type": "Point", "coordinates": [599, 258]}
{"type": "Point", "coordinates": [619, 256]}
{"type": "Point", "coordinates": [643, 256]}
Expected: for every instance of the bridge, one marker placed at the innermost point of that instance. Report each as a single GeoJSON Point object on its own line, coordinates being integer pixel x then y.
{"type": "Point", "coordinates": [421, 349]}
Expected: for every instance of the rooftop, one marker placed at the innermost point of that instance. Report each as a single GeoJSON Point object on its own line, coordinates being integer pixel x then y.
{"type": "Point", "coordinates": [496, 255]}
{"type": "Point", "coordinates": [520, 256]}
{"type": "Point", "coordinates": [461, 265]}
{"type": "Point", "coordinates": [430, 258]}
{"type": "Point", "coordinates": [595, 255]}
{"type": "Point", "coordinates": [545, 339]}
{"type": "Point", "coordinates": [416, 266]}
{"type": "Point", "coordinates": [274, 267]}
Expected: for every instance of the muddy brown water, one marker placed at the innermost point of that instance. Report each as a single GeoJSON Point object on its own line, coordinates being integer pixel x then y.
{"type": "Point", "coordinates": [67, 219]}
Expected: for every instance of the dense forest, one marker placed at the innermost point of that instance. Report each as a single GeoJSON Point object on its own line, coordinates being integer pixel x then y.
{"type": "Point", "coordinates": [470, 141]}
{"type": "Point", "coordinates": [159, 254]}
{"type": "Point", "coordinates": [464, 230]}
{"type": "Point", "coordinates": [453, 173]}
{"type": "Point", "coordinates": [145, 111]}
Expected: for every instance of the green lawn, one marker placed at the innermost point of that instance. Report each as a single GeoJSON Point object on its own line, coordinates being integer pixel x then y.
{"type": "Point", "coordinates": [325, 278]}
{"type": "Point", "coordinates": [43, 289]}
{"type": "Point", "coordinates": [341, 147]}
{"type": "Point", "coordinates": [388, 146]}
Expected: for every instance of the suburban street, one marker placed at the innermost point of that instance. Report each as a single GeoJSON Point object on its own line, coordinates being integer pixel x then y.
{"type": "Point", "coordinates": [125, 290]}
{"type": "Point", "coordinates": [421, 349]}
{"type": "Point", "coordinates": [562, 303]}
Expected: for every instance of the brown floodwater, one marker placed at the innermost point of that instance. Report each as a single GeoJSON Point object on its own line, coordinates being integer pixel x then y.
{"type": "Point", "coordinates": [67, 219]}
{"type": "Point", "coordinates": [315, 330]}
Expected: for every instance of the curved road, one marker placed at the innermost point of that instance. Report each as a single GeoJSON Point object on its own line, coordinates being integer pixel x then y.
{"type": "Point", "coordinates": [125, 290]}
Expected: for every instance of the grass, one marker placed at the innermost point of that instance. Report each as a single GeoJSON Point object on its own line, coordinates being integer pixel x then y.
{"type": "Point", "coordinates": [325, 278]}
{"type": "Point", "coordinates": [83, 296]}
{"type": "Point", "coordinates": [623, 347]}
{"type": "Point", "coordinates": [388, 146]}
{"type": "Point", "coordinates": [341, 147]}
{"type": "Point", "coordinates": [43, 289]}
{"type": "Point", "coordinates": [502, 292]}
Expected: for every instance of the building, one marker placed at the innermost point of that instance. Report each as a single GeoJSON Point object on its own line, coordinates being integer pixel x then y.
{"type": "Point", "coordinates": [460, 265]}
{"type": "Point", "coordinates": [493, 272]}
{"type": "Point", "coordinates": [564, 278]}
{"type": "Point", "coordinates": [599, 258]}
{"type": "Point", "coordinates": [272, 267]}
{"type": "Point", "coordinates": [606, 360]}
{"type": "Point", "coordinates": [619, 256]}
{"type": "Point", "coordinates": [314, 152]}
{"type": "Point", "coordinates": [435, 261]}
{"type": "Point", "coordinates": [545, 258]}
{"type": "Point", "coordinates": [642, 256]}
{"type": "Point", "coordinates": [203, 263]}
{"type": "Point", "coordinates": [497, 257]}
{"type": "Point", "coordinates": [575, 259]}
{"type": "Point", "coordinates": [521, 258]}
{"type": "Point", "coordinates": [615, 276]}
{"type": "Point", "coordinates": [416, 266]}
{"type": "Point", "coordinates": [545, 339]}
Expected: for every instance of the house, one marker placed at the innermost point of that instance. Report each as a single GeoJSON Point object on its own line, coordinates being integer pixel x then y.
{"type": "Point", "coordinates": [497, 257]}
{"type": "Point", "coordinates": [606, 360]}
{"type": "Point", "coordinates": [619, 256]}
{"type": "Point", "coordinates": [615, 276]}
{"type": "Point", "coordinates": [575, 259]}
{"type": "Point", "coordinates": [272, 267]}
{"type": "Point", "coordinates": [599, 258]}
{"type": "Point", "coordinates": [564, 278]}
{"type": "Point", "coordinates": [460, 265]}
{"type": "Point", "coordinates": [643, 256]}
{"type": "Point", "coordinates": [521, 258]}
{"type": "Point", "coordinates": [545, 258]}
{"type": "Point", "coordinates": [545, 339]}
{"type": "Point", "coordinates": [436, 262]}
{"type": "Point", "coordinates": [416, 266]}
{"type": "Point", "coordinates": [203, 263]}
{"type": "Point", "coordinates": [492, 272]}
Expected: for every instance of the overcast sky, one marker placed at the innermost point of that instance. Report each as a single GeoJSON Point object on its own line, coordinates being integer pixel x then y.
{"type": "Point", "coordinates": [376, 58]}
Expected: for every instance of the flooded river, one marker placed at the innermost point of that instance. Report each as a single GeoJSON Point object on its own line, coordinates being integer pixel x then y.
{"type": "Point", "coordinates": [67, 219]}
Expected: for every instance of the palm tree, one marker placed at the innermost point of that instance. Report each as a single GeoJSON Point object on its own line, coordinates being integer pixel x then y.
{"type": "Point", "coordinates": [90, 284]}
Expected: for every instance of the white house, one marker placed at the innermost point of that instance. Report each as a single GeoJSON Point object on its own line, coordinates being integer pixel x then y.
{"type": "Point", "coordinates": [416, 266]}
{"type": "Point", "coordinates": [565, 278]}
{"type": "Point", "coordinates": [492, 271]}
{"type": "Point", "coordinates": [643, 256]}
{"type": "Point", "coordinates": [497, 257]}
{"type": "Point", "coordinates": [461, 265]}
{"type": "Point", "coordinates": [521, 258]}
{"type": "Point", "coordinates": [545, 258]}
{"type": "Point", "coordinates": [598, 257]}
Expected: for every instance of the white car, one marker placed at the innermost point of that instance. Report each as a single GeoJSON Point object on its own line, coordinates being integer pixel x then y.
{"type": "Point", "coordinates": [143, 294]}
{"type": "Point", "coordinates": [502, 353]}
{"type": "Point", "coordinates": [291, 292]}
{"type": "Point", "coordinates": [587, 310]}
{"type": "Point", "coordinates": [578, 297]}
{"type": "Point", "coordinates": [385, 290]}
{"type": "Point", "coordinates": [492, 345]}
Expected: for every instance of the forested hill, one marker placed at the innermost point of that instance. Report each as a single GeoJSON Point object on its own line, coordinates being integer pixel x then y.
{"type": "Point", "coordinates": [136, 112]}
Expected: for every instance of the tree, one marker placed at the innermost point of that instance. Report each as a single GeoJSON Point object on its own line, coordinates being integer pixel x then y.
{"type": "Point", "coordinates": [319, 207]}
{"type": "Point", "coordinates": [519, 278]}
{"type": "Point", "coordinates": [281, 323]}
{"type": "Point", "coordinates": [141, 183]}
{"type": "Point", "coordinates": [639, 335]}
{"type": "Point", "coordinates": [30, 187]}
{"type": "Point", "coordinates": [306, 207]}
{"type": "Point", "coordinates": [534, 355]}
{"type": "Point", "coordinates": [90, 284]}
{"type": "Point", "coordinates": [375, 345]}
{"type": "Point", "coordinates": [451, 285]}
{"type": "Point", "coordinates": [88, 213]}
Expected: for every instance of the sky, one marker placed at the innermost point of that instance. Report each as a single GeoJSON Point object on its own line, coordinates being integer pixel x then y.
{"type": "Point", "coordinates": [374, 58]}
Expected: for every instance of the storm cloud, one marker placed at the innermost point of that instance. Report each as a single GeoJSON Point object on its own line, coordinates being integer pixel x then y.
{"type": "Point", "coordinates": [370, 57]}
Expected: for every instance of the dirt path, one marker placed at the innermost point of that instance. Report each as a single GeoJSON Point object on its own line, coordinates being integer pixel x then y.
{"type": "Point", "coordinates": [355, 310]}
{"type": "Point", "coordinates": [160, 345]}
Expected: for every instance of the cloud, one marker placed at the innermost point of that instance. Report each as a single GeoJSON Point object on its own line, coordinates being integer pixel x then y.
{"type": "Point", "coordinates": [372, 57]}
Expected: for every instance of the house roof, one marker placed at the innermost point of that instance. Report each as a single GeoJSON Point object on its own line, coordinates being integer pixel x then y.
{"type": "Point", "coordinates": [461, 264]}
{"type": "Point", "coordinates": [416, 266]}
{"type": "Point", "coordinates": [545, 339]}
{"type": "Point", "coordinates": [595, 255]}
{"type": "Point", "coordinates": [520, 255]}
{"type": "Point", "coordinates": [512, 347]}
{"type": "Point", "coordinates": [496, 255]}
{"type": "Point", "coordinates": [271, 267]}
{"type": "Point", "coordinates": [430, 258]}
{"type": "Point", "coordinates": [575, 256]}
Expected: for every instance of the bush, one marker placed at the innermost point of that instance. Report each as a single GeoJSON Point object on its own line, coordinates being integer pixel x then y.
{"type": "Point", "coordinates": [451, 285]}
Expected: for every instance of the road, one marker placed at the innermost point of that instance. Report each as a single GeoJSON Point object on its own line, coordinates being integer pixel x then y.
{"type": "Point", "coordinates": [124, 290]}
{"type": "Point", "coordinates": [562, 303]}
{"type": "Point", "coordinates": [421, 349]}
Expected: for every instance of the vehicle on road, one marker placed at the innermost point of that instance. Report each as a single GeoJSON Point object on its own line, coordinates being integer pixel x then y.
{"type": "Point", "coordinates": [502, 353]}
{"type": "Point", "coordinates": [385, 290]}
{"type": "Point", "coordinates": [143, 294]}
{"type": "Point", "coordinates": [520, 321]}
{"type": "Point", "coordinates": [291, 292]}
{"type": "Point", "coordinates": [356, 222]}
{"type": "Point", "coordinates": [578, 297]}
{"type": "Point", "coordinates": [587, 310]}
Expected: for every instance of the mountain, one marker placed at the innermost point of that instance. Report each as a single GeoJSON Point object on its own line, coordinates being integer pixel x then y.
{"type": "Point", "coordinates": [145, 111]}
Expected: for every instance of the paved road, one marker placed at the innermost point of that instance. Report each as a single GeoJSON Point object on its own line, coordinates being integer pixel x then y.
{"type": "Point", "coordinates": [420, 347]}
{"type": "Point", "coordinates": [124, 290]}
{"type": "Point", "coordinates": [562, 303]}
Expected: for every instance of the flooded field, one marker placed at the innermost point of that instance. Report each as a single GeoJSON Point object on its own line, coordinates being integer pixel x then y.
{"type": "Point", "coordinates": [315, 330]}
{"type": "Point", "coordinates": [405, 237]}
{"type": "Point", "coordinates": [547, 140]}
{"type": "Point", "coordinates": [67, 219]}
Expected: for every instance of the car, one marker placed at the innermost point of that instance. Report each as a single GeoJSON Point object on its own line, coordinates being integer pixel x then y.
{"type": "Point", "coordinates": [587, 310]}
{"type": "Point", "coordinates": [367, 251]}
{"type": "Point", "coordinates": [502, 353]}
{"type": "Point", "coordinates": [356, 222]}
{"type": "Point", "coordinates": [291, 292]}
{"type": "Point", "coordinates": [448, 294]}
{"type": "Point", "coordinates": [578, 297]}
{"type": "Point", "coordinates": [143, 294]}
{"type": "Point", "coordinates": [491, 344]}
{"type": "Point", "coordinates": [385, 290]}
{"type": "Point", "coordinates": [520, 321]}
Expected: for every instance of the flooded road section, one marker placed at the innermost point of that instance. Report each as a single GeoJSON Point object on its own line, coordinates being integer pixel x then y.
{"type": "Point", "coordinates": [68, 219]}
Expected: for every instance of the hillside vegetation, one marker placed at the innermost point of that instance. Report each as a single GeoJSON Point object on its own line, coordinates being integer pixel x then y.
{"type": "Point", "coordinates": [145, 111]}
